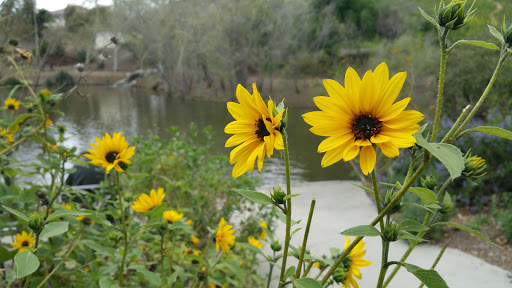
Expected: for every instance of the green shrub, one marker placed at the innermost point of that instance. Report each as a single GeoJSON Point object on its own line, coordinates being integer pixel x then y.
{"type": "Point", "coordinates": [59, 51]}
{"type": "Point", "coordinates": [501, 209]}
{"type": "Point", "coordinates": [81, 55]}
{"type": "Point", "coordinates": [11, 82]}
{"type": "Point", "coordinates": [61, 79]}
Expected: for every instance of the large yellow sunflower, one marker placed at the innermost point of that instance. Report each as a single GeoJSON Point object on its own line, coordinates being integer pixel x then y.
{"type": "Point", "coordinates": [255, 130]}
{"type": "Point", "coordinates": [24, 241]}
{"type": "Point", "coordinates": [171, 216]}
{"type": "Point", "coordinates": [147, 202]}
{"type": "Point", "coordinates": [352, 263]}
{"type": "Point", "coordinates": [361, 115]}
{"type": "Point", "coordinates": [11, 104]}
{"type": "Point", "coordinates": [110, 152]}
{"type": "Point", "coordinates": [225, 236]}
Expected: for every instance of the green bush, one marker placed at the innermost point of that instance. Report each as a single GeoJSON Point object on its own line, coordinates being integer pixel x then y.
{"type": "Point", "coordinates": [61, 79]}
{"type": "Point", "coordinates": [501, 209]}
{"type": "Point", "coordinates": [11, 82]}
{"type": "Point", "coordinates": [81, 55]}
{"type": "Point", "coordinates": [59, 51]}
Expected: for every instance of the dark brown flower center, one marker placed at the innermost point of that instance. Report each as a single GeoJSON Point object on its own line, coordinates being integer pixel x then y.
{"type": "Point", "coordinates": [11, 107]}
{"type": "Point", "coordinates": [111, 157]}
{"type": "Point", "coordinates": [261, 129]}
{"type": "Point", "coordinates": [365, 126]}
{"type": "Point", "coordinates": [25, 243]}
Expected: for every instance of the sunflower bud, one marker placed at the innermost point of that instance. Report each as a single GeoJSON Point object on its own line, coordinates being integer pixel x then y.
{"type": "Point", "coordinates": [340, 275]}
{"type": "Point", "coordinates": [278, 195]}
{"type": "Point", "coordinates": [36, 223]}
{"type": "Point", "coordinates": [390, 195]}
{"type": "Point", "coordinates": [276, 246]}
{"type": "Point", "coordinates": [474, 166]}
{"type": "Point", "coordinates": [447, 204]}
{"type": "Point", "coordinates": [453, 16]}
{"type": "Point", "coordinates": [114, 237]}
{"type": "Point", "coordinates": [40, 194]}
{"type": "Point", "coordinates": [429, 182]}
{"type": "Point", "coordinates": [390, 233]}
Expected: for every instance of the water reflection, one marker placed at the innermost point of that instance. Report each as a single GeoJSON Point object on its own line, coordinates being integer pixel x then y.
{"type": "Point", "coordinates": [141, 112]}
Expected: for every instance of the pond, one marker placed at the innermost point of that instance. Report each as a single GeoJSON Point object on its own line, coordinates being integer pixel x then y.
{"type": "Point", "coordinates": [143, 112]}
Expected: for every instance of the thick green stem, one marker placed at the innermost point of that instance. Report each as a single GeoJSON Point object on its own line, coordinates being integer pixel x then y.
{"type": "Point", "coordinates": [448, 137]}
{"type": "Point", "coordinates": [125, 233]}
{"type": "Point", "coordinates": [288, 208]}
{"type": "Point", "coordinates": [305, 241]}
{"type": "Point", "coordinates": [377, 199]}
{"type": "Point", "coordinates": [162, 257]}
{"type": "Point", "coordinates": [383, 268]}
{"type": "Point", "coordinates": [503, 56]}
{"type": "Point", "coordinates": [444, 54]}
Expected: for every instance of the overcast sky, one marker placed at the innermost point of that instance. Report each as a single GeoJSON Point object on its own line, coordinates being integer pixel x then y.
{"type": "Point", "coordinates": [52, 5]}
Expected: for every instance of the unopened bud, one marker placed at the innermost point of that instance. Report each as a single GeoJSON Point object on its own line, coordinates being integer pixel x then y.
{"type": "Point", "coordinates": [36, 223]}
{"type": "Point", "coordinates": [276, 246]}
{"type": "Point", "coordinates": [429, 182]}
{"type": "Point", "coordinates": [447, 204]}
{"type": "Point", "coordinates": [453, 16]}
{"type": "Point", "coordinates": [390, 195]}
{"type": "Point", "coordinates": [391, 232]}
{"type": "Point", "coordinates": [278, 195]}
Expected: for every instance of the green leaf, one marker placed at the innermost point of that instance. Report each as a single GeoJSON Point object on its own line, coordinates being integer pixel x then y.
{"type": "Point", "coordinates": [295, 231]}
{"type": "Point", "coordinates": [281, 216]}
{"type": "Point", "coordinates": [496, 131]}
{"type": "Point", "coordinates": [288, 196]}
{"type": "Point", "coordinates": [53, 229]}
{"type": "Point", "coordinates": [254, 196]}
{"type": "Point", "coordinates": [15, 126]}
{"type": "Point", "coordinates": [6, 255]}
{"type": "Point", "coordinates": [409, 236]}
{"type": "Point", "coordinates": [430, 278]}
{"type": "Point", "coordinates": [469, 230]}
{"type": "Point", "coordinates": [26, 262]}
{"type": "Point", "coordinates": [427, 196]}
{"type": "Point", "coordinates": [411, 225]}
{"type": "Point", "coordinates": [62, 213]}
{"type": "Point", "coordinates": [479, 44]}
{"type": "Point", "coordinates": [428, 17]}
{"type": "Point", "coordinates": [362, 230]}
{"type": "Point", "coordinates": [365, 189]}
{"type": "Point", "coordinates": [307, 283]}
{"type": "Point", "coordinates": [449, 155]}
{"type": "Point", "coordinates": [433, 206]}
{"type": "Point", "coordinates": [419, 206]}
{"type": "Point", "coordinates": [151, 277]}
{"type": "Point", "coordinates": [17, 213]}
{"type": "Point", "coordinates": [108, 282]}
{"type": "Point", "coordinates": [495, 33]}
{"type": "Point", "coordinates": [289, 272]}
{"type": "Point", "coordinates": [252, 248]}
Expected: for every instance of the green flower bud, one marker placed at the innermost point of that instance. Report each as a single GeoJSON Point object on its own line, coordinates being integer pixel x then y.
{"type": "Point", "coordinates": [447, 204]}
{"type": "Point", "coordinates": [278, 195]}
{"type": "Point", "coordinates": [276, 246]}
{"type": "Point", "coordinates": [114, 236]}
{"type": "Point", "coordinates": [163, 226]}
{"type": "Point", "coordinates": [474, 166]}
{"type": "Point", "coordinates": [453, 16]}
{"type": "Point", "coordinates": [61, 128]}
{"type": "Point", "coordinates": [391, 232]}
{"type": "Point", "coordinates": [340, 275]}
{"type": "Point", "coordinates": [36, 223]}
{"type": "Point", "coordinates": [390, 194]}
{"type": "Point", "coordinates": [429, 182]}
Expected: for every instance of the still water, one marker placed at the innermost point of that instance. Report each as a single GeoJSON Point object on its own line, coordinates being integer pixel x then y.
{"type": "Point", "coordinates": [142, 112]}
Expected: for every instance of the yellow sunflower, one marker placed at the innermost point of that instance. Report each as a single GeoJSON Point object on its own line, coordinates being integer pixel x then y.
{"type": "Point", "coordinates": [361, 115]}
{"type": "Point", "coordinates": [11, 104]}
{"type": "Point", "coordinates": [255, 130]}
{"type": "Point", "coordinates": [147, 202]}
{"type": "Point", "coordinates": [225, 236]}
{"type": "Point", "coordinates": [254, 242]}
{"type": "Point", "coordinates": [67, 205]}
{"type": "Point", "coordinates": [190, 222]}
{"type": "Point", "coordinates": [263, 234]}
{"type": "Point", "coordinates": [24, 241]}
{"type": "Point", "coordinates": [5, 137]}
{"type": "Point", "coordinates": [171, 215]}
{"type": "Point", "coordinates": [194, 240]}
{"type": "Point", "coordinates": [111, 152]}
{"type": "Point", "coordinates": [352, 263]}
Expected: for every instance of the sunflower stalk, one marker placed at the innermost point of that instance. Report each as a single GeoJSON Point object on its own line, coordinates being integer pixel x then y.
{"type": "Point", "coordinates": [125, 232]}
{"type": "Point", "coordinates": [436, 261]}
{"type": "Point", "coordinates": [443, 33]}
{"type": "Point", "coordinates": [305, 241]}
{"type": "Point", "coordinates": [384, 268]}
{"type": "Point", "coordinates": [288, 208]}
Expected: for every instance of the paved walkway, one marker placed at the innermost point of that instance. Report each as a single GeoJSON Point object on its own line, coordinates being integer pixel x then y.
{"type": "Point", "coordinates": [341, 205]}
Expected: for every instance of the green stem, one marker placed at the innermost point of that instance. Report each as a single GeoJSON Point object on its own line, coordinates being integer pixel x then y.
{"type": "Point", "coordinates": [448, 137]}
{"type": "Point", "coordinates": [437, 260]}
{"type": "Point", "coordinates": [288, 208]}
{"type": "Point", "coordinates": [58, 191]}
{"type": "Point", "coordinates": [125, 233]}
{"type": "Point", "coordinates": [162, 233]}
{"type": "Point", "coordinates": [310, 265]}
{"type": "Point", "coordinates": [503, 56]}
{"type": "Point", "coordinates": [383, 268]}
{"type": "Point", "coordinates": [271, 268]}
{"type": "Point", "coordinates": [411, 165]}
{"type": "Point", "coordinates": [377, 199]}
{"type": "Point", "coordinates": [305, 241]}
{"type": "Point", "coordinates": [444, 54]}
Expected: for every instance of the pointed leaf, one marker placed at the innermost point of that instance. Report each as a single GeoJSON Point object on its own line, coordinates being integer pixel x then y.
{"type": "Point", "coordinates": [411, 225]}
{"type": "Point", "coordinates": [62, 213]}
{"type": "Point", "coordinates": [427, 196]}
{"type": "Point", "coordinates": [252, 248]}
{"type": "Point", "coordinates": [496, 131]}
{"type": "Point", "coordinates": [53, 229]}
{"type": "Point", "coordinates": [449, 155]}
{"type": "Point", "coordinates": [410, 237]}
{"type": "Point", "coordinates": [430, 278]}
{"type": "Point", "coordinates": [479, 44]}
{"type": "Point", "coordinates": [289, 196]}
{"type": "Point", "coordinates": [254, 196]}
{"type": "Point", "coordinates": [469, 230]}
{"type": "Point", "coordinates": [26, 262]}
{"type": "Point", "coordinates": [495, 33]}
{"type": "Point", "coordinates": [307, 283]}
{"type": "Point", "coordinates": [428, 17]}
{"type": "Point", "coordinates": [362, 230]}
{"type": "Point", "coordinates": [365, 189]}
{"type": "Point", "coordinates": [289, 272]}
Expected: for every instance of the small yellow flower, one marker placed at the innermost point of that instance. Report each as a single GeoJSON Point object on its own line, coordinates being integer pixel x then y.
{"type": "Point", "coordinates": [147, 202]}
{"type": "Point", "coordinates": [254, 242]}
{"type": "Point", "coordinates": [225, 236]}
{"type": "Point", "coordinates": [24, 241]}
{"type": "Point", "coordinates": [85, 220]}
{"type": "Point", "coordinates": [48, 121]}
{"type": "Point", "coordinates": [194, 240]}
{"type": "Point", "coordinates": [353, 261]}
{"type": "Point", "coordinates": [5, 137]}
{"type": "Point", "coordinates": [87, 269]}
{"type": "Point", "coordinates": [66, 205]}
{"type": "Point", "coordinates": [263, 234]}
{"type": "Point", "coordinates": [190, 222]}
{"type": "Point", "coordinates": [316, 264]}
{"type": "Point", "coordinates": [171, 215]}
{"type": "Point", "coordinates": [110, 152]}
{"type": "Point", "coordinates": [11, 104]}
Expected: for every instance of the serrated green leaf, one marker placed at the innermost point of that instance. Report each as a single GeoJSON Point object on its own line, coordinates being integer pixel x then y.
{"type": "Point", "coordinates": [26, 262]}
{"type": "Point", "coordinates": [479, 44]}
{"type": "Point", "coordinates": [469, 230]}
{"type": "Point", "coordinates": [307, 283]}
{"type": "Point", "coordinates": [496, 131]}
{"type": "Point", "coordinates": [430, 278]}
{"type": "Point", "coordinates": [62, 213]}
{"type": "Point", "coordinates": [427, 196]}
{"type": "Point", "coordinates": [53, 229]}
{"type": "Point", "coordinates": [295, 231]}
{"type": "Point", "coordinates": [449, 155]}
{"type": "Point", "coordinates": [254, 196]}
{"type": "Point", "coordinates": [411, 225]}
{"type": "Point", "coordinates": [495, 33]}
{"type": "Point", "coordinates": [362, 230]}
{"type": "Point", "coordinates": [17, 213]}
{"type": "Point", "coordinates": [428, 17]}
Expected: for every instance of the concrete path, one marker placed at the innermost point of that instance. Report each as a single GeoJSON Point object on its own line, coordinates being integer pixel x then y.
{"type": "Point", "coordinates": [341, 205]}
